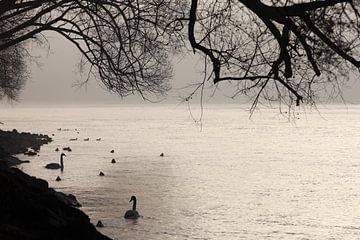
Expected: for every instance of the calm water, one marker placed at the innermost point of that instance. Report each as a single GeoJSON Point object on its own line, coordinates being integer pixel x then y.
{"type": "Point", "coordinates": [264, 178]}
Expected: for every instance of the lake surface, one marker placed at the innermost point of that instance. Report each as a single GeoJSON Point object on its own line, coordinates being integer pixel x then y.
{"type": "Point", "coordinates": [231, 178]}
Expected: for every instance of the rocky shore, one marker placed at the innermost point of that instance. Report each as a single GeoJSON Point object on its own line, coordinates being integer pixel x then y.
{"type": "Point", "coordinates": [14, 142]}
{"type": "Point", "coordinates": [29, 209]}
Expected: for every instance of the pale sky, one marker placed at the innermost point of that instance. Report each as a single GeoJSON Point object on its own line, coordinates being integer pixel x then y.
{"type": "Point", "coordinates": [53, 82]}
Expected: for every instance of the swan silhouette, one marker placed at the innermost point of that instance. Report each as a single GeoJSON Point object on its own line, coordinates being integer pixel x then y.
{"type": "Point", "coordinates": [56, 165]}
{"type": "Point", "coordinates": [132, 214]}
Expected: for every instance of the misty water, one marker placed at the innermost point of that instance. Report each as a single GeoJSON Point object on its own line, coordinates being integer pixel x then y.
{"type": "Point", "coordinates": [229, 178]}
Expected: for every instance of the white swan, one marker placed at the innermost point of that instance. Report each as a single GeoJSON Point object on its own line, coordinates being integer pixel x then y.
{"type": "Point", "coordinates": [132, 214]}
{"type": "Point", "coordinates": [56, 165]}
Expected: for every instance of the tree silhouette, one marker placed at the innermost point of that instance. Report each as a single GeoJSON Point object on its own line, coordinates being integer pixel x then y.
{"type": "Point", "coordinates": [13, 72]}
{"type": "Point", "coordinates": [283, 50]}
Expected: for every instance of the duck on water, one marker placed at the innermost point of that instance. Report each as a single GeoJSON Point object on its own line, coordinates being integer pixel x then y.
{"type": "Point", "coordinates": [132, 214]}
{"type": "Point", "coordinates": [56, 165]}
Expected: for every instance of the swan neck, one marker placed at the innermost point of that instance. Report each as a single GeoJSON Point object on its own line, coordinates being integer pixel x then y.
{"type": "Point", "coordinates": [61, 161]}
{"type": "Point", "coordinates": [134, 204]}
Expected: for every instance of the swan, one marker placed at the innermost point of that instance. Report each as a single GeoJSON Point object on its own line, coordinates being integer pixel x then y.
{"type": "Point", "coordinates": [56, 165]}
{"type": "Point", "coordinates": [132, 214]}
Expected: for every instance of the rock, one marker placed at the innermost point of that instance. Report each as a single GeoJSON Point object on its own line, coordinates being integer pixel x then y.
{"type": "Point", "coordinates": [67, 199]}
{"type": "Point", "coordinates": [3, 153]}
{"type": "Point", "coordinates": [162, 154]}
{"type": "Point", "coordinates": [31, 210]}
{"type": "Point", "coordinates": [98, 139]}
{"type": "Point", "coordinates": [58, 179]}
{"type": "Point", "coordinates": [112, 151]}
{"type": "Point", "coordinates": [99, 224]}
{"type": "Point", "coordinates": [57, 149]}
{"type": "Point", "coordinates": [30, 153]}
{"type": "Point", "coordinates": [8, 161]}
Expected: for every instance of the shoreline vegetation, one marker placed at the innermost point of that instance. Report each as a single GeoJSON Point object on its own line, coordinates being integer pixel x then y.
{"type": "Point", "coordinates": [30, 210]}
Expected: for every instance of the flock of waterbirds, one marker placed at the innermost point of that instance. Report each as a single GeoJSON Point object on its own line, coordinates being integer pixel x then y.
{"type": "Point", "coordinates": [130, 214]}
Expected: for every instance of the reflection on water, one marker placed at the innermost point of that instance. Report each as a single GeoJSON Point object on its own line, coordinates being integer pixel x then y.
{"type": "Point", "coordinates": [235, 179]}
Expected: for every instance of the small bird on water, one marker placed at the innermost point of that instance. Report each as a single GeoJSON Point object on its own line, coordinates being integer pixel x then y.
{"type": "Point", "coordinates": [113, 161]}
{"type": "Point", "coordinates": [101, 174]}
{"type": "Point", "coordinates": [67, 149]}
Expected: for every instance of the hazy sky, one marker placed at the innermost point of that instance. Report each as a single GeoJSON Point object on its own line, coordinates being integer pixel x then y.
{"type": "Point", "coordinates": [54, 81]}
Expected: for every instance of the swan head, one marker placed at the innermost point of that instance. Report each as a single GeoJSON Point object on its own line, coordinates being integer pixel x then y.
{"type": "Point", "coordinates": [63, 155]}
{"type": "Point", "coordinates": [133, 198]}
